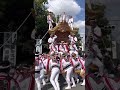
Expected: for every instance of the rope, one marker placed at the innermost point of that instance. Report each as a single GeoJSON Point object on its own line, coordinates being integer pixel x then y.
{"type": "Point", "coordinates": [45, 35]}
{"type": "Point", "coordinates": [17, 29]}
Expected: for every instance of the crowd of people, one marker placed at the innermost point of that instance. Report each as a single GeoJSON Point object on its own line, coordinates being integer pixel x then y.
{"type": "Point", "coordinates": [19, 77]}
{"type": "Point", "coordinates": [63, 58]}
{"type": "Point", "coordinates": [54, 65]}
{"type": "Point", "coordinates": [63, 47]}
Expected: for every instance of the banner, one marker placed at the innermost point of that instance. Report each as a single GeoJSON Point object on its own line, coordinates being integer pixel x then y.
{"type": "Point", "coordinates": [9, 49]}
{"type": "Point", "coordinates": [39, 46]}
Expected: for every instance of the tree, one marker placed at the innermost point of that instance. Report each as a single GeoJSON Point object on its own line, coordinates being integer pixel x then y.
{"type": "Point", "coordinates": [41, 24]}
{"type": "Point", "coordinates": [97, 13]}
{"type": "Point", "coordinates": [12, 14]}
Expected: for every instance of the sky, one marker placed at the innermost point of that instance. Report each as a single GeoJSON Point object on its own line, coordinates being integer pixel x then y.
{"type": "Point", "coordinates": [76, 8]}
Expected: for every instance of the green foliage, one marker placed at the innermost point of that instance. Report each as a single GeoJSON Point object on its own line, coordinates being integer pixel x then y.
{"type": "Point", "coordinates": [102, 22]}
{"type": "Point", "coordinates": [40, 18]}
{"type": "Point", "coordinates": [41, 24]}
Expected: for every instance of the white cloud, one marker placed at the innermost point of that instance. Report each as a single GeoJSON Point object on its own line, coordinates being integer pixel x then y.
{"type": "Point", "coordinates": [60, 6]}
{"type": "Point", "coordinates": [80, 24]}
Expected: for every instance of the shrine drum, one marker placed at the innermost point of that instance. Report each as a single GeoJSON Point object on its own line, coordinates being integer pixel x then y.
{"type": "Point", "coordinates": [81, 72]}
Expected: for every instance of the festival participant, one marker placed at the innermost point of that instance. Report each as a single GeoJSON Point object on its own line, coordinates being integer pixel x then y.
{"type": "Point", "coordinates": [55, 71]}
{"type": "Point", "coordinates": [53, 48]}
{"type": "Point", "coordinates": [43, 70]}
{"type": "Point", "coordinates": [52, 38]}
{"type": "Point", "coordinates": [76, 64]}
{"type": "Point", "coordinates": [63, 48]}
{"type": "Point", "coordinates": [70, 22]}
{"type": "Point", "coordinates": [82, 73]}
{"type": "Point", "coordinates": [46, 62]}
{"type": "Point", "coordinates": [38, 68]}
{"type": "Point", "coordinates": [49, 21]}
{"type": "Point", "coordinates": [63, 17]}
{"type": "Point", "coordinates": [73, 49]}
{"type": "Point", "coordinates": [72, 38]}
{"type": "Point", "coordinates": [66, 66]}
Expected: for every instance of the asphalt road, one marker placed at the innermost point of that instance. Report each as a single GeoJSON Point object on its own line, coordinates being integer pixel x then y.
{"type": "Point", "coordinates": [50, 87]}
{"type": "Point", "coordinates": [63, 84]}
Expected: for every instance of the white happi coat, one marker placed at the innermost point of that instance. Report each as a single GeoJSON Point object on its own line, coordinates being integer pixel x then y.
{"type": "Point", "coordinates": [73, 49]}
{"type": "Point", "coordinates": [70, 23]}
{"type": "Point", "coordinates": [63, 17]}
{"type": "Point", "coordinates": [76, 63]}
{"type": "Point", "coordinates": [52, 39]}
{"type": "Point", "coordinates": [72, 39]}
{"type": "Point", "coordinates": [63, 49]}
{"type": "Point", "coordinates": [53, 48]}
{"type": "Point", "coordinates": [49, 19]}
{"type": "Point", "coordinates": [63, 64]}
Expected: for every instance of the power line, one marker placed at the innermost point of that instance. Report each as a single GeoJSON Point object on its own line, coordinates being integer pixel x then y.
{"type": "Point", "coordinates": [17, 29]}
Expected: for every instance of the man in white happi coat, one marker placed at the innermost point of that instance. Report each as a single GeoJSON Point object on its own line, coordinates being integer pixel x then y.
{"type": "Point", "coordinates": [76, 64]}
{"type": "Point", "coordinates": [38, 71]}
{"type": "Point", "coordinates": [43, 70]}
{"type": "Point", "coordinates": [63, 17]}
{"type": "Point", "coordinates": [55, 71]}
{"type": "Point", "coordinates": [53, 48]}
{"type": "Point", "coordinates": [63, 48]}
{"type": "Point", "coordinates": [66, 67]}
{"type": "Point", "coordinates": [52, 39]}
{"type": "Point", "coordinates": [70, 22]}
{"type": "Point", "coordinates": [72, 38]}
{"type": "Point", "coordinates": [50, 21]}
{"type": "Point", "coordinates": [73, 49]}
